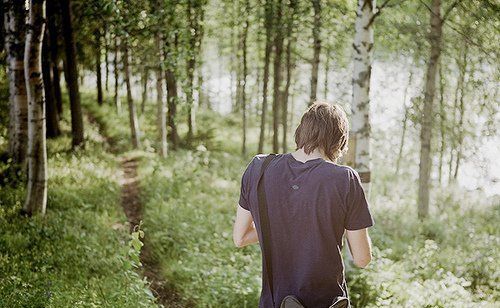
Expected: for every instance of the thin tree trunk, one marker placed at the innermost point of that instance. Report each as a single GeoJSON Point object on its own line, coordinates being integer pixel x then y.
{"type": "Point", "coordinates": [72, 74]}
{"type": "Point", "coordinates": [265, 79]}
{"type": "Point", "coordinates": [52, 116]}
{"type": "Point", "coordinates": [144, 96]}
{"type": "Point", "coordinates": [160, 97]}
{"type": "Point", "coordinates": [194, 12]}
{"type": "Point", "coordinates": [453, 124]}
{"type": "Point", "coordinates": [18, 103]}
{"type": "Point", "coordinates": [116, 71]}
{"type": "Point", "coordinates": [327, 69]}
{"type": "Point", "coordinates": [278, 51]}
{"type": "Point", "coordinates": [97, 35]}
{"type": "Point", "coordinates": [463, 71]}
{"type": "Point", "coordinates": [245, 73]}
{"type": "Point", "coordinates": [360, 153]}
{"type": "Point", "coordinates": [316, 49]}
{"type": "Point", "coordinates": [172, 107]}
{"type": "Point", "coordinates": [134, 124]}
{"type": "Point", "coordinates": [405, 121]}
{"type": "Point", "coordinates": [106, 57]}
{"type": "Point", "coordinates": [2, 33]}
{"type": "Point", "coordinates": [199, 85]}
{"type": "Point", "coordinates": [435, 38]}
{"type": "Point", "coordinates": [442, 122]}
{"type": "Point", "coordinates": [52, 13]}
{"type": "Point", "coordinates": [36, 196]}
{"type": "Point", "coordinates": [290, 66]}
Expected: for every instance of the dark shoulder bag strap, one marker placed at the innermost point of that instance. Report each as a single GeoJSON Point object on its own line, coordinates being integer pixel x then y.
{"type": "Point", "coordinates": [264, 224]}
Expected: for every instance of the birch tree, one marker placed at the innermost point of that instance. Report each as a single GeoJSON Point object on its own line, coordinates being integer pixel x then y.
{"type": "Point", "coordinates": [160, 85]}
{"type": "Point", "coordinates": [14, 20]}
{"type": "Point", "coordinates": [359, 137]}
{"type": "Point", "coordinates": [36, 198]}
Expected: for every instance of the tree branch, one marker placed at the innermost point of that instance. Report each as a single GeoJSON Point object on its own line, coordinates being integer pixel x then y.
{"type": "Point", "coordinates": [450, 8]}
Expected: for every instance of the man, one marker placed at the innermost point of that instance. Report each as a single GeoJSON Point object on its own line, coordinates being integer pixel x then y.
{"type": "Point", "coordinates": [311, 203]}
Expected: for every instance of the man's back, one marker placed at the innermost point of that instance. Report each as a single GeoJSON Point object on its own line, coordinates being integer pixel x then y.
{"type": "Point", "coordinates": [310, 204]}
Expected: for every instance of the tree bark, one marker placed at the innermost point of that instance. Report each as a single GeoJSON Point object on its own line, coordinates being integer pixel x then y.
{"type": "Point", "coordinates": [52, 15]}
{"type": "Point", "coordinates": [52, 116]}
{"type": "Point", "coordinates": [2, 32]}
{"type": "Point", "coordinates": [72, 74]}
{"type": "Point", "coordinates": [463, 71]}
{"type": "Point", "coordinates": [97, 35]}
{"type": "Point", "coordinates": [265, 78]}
{"type": "Point", "coordinates": [172, 107]}
{"type": "Point", "coordinates": [144, 96]}
{"type": "Point", "coordinates": [106, 58]}
{"type": "Point", "coordinates": [134, 124]}
{"type": "Point", "coordinates": [278, 51]}
{"type": "Point", "coordinates": [193, 14]}
{"type": "Point", "coordinates": [36, 196]}
{"type": "Point", "coordinates": [244, 77]}
{"type": "Point", "coordinates": [14, 20]}
{"type": "Point", "coordinates": [359, 141]}
{"type": "Point", "coordinates": [405, 123]}
{"type": "Point", "coordinates": [116, 72]}
{"type": "Point", "coordinates": [160, 97]}
{"type": "Point", "coordinates": [327, 70]}
{"type": "Point", "coordinates": [435, 38]}
{"type": "Point", "coordinates": [442, 122]}
{"type": "Point", "coordinates": [316, 49]}
{"type": "Point", "coordinates": [290, 66]}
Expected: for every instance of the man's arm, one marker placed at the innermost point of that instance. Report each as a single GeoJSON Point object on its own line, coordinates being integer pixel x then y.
{"type": "Point", "coordinates": [244, 232]}
{"type": "Point", "coordinates": [360, 246]}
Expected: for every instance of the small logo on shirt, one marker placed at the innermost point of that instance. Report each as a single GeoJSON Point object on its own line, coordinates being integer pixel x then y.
{"type": "Point", "coordinates": [295, 187]}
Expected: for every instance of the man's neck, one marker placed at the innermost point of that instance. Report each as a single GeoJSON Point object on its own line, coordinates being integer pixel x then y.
{"type": "Point", "coordinates": [300, 155]}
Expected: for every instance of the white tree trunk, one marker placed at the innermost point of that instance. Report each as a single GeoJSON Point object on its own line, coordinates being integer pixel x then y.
{"type": "Point", "coordinates": [14, 22]}
{"type": "Point", "coordinates": [360, 106]}
{"type": "Point", "coordinates": [36, 198]}
{"type": "Point", "coordinates": [427, 115]}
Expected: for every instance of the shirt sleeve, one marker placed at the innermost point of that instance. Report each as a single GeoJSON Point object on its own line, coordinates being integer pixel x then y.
{"type": "Point", "coordinates": [358, 214]}
{"type": "Point", "coordinates": [245, 187]}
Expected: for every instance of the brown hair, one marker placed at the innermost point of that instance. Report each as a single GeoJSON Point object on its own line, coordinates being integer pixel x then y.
{"type": "Point", "coordinates": [325, 127]}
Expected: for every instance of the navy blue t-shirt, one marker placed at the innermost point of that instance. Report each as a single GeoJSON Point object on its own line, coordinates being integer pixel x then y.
{"type": "Point", "coordinates": [310, 204]}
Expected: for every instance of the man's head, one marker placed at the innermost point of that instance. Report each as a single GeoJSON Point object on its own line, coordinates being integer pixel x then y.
{"type": "Point", "coordinates": [325, 127]}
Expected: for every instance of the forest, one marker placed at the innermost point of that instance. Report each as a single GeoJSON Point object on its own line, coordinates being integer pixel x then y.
{"type": "Point", "coordinates": [125, 127]}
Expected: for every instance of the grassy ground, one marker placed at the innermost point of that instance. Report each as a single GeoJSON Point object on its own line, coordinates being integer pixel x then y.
{"type": "Point", "coordinates": [450, 260]}
{"type": "Point", "coordinates": [78, 254]}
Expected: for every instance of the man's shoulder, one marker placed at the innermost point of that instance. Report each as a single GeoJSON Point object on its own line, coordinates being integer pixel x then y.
{"type": "Point", "coordinates": [335, 171]}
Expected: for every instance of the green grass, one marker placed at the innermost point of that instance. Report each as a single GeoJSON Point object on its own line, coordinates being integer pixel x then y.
{"type": "Point", "coordinates": [78, 254]}
{"type": "Point", "coordinates": [190, 199]}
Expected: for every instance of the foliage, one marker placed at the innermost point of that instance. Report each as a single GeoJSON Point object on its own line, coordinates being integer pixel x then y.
{"type": "Point", "coordinates": [78, 254]}
{"type": "Point", "coordinates": [447, 261]}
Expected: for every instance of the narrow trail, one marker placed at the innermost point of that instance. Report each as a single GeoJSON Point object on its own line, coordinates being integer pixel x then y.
{"type": "Point", "coordinates": [164, 291]}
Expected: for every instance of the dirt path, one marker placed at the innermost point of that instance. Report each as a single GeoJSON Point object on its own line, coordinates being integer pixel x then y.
{"type": "Point", "coordinates": [164, 291]}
